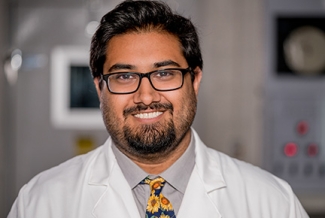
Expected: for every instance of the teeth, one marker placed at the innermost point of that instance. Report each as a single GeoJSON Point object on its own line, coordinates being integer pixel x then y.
{"type": "Point", "coordinates": [148, 115]}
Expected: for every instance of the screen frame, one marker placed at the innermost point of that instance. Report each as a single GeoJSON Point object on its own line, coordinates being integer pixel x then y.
{"type": "Point", "coordinates": [62, 116]}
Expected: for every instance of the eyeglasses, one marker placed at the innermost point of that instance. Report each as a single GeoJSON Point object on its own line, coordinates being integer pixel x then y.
{"type": "Point", "coordinates": [161, 80]}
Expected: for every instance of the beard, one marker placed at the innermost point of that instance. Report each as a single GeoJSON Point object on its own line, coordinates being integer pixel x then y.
{"type": "Point", "coordinates": [151, 139]}
{"type": "Point", "coordinates": [148, 141]}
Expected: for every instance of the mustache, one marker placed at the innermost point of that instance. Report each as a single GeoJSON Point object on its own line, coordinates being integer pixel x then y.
{"type": "Point", "coordinates": [142, 107]}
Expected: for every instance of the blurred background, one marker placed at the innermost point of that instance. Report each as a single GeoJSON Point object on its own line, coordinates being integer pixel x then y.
{"type": "Point", "coordinates": [261, 99]}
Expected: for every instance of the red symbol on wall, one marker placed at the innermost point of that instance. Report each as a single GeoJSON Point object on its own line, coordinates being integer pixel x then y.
{"type": "Point", "coordinates": [302, 128]}
{"type": "Point", "coordinates": [290, 149]}
{"type": "Point", "coordinates": [312, 150]}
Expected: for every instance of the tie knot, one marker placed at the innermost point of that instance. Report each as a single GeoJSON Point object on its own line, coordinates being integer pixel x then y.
{"type": "Point", "coordinates": [154, 184]}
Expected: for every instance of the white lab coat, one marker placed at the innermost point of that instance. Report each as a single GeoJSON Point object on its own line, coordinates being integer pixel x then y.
{"type": "Point", "coordinates": [93, 185]}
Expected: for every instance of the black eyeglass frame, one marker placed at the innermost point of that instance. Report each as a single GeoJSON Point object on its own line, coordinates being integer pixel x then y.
{"type": "Point", "coordinates": [147, 75]}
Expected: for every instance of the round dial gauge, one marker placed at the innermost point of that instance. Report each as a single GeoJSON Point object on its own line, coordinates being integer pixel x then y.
{"type": "Point", "coordinates": [304, 50]}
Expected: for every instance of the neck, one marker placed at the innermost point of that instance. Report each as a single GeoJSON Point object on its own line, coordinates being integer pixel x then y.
{"type": "Point", "coordinates": [160, 164]}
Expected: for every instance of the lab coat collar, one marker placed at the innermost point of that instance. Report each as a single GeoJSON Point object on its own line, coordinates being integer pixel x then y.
{"type": "Point", "coordinates": [206, 178]}
{"type": "Point", "coordinates": [196, 201]}
{"type": "Point", "coordinates": [112, 194]}
{"type": "Point", "coordinates": [207, 166]}
{"type": "Point", "coordinates": [103, 165]}
{"type": "Point", "coordinates": [115, 198]}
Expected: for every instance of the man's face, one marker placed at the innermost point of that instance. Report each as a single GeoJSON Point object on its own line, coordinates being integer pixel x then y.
{"type": "Point", "coordinates": [148, 123]}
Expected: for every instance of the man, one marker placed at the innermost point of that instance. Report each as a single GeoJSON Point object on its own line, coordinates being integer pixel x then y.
{"type": "Point", "coordinates": [147, 67]}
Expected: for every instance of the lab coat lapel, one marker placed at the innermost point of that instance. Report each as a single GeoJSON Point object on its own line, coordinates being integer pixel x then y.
{"type": "Point", "coordinates": [117, 200]}
{"type": "Point", "coordinates": [113, 196]}
{"type": "Point", "coordinates": [110, 190]}
{"type": "Point", "coordinates": [206, 179]}
{"type": "Point", "coordinates": [196, 201]}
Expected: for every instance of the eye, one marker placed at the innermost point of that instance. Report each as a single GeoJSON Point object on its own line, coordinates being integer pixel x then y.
{"type": "Point", "coordinates": [165, 74]}
{"type": "Point", "coordinates": [123, 77]}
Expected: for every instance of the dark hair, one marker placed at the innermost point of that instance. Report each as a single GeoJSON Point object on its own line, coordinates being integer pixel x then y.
{"type": "Point", "coordinates": [137, 16]}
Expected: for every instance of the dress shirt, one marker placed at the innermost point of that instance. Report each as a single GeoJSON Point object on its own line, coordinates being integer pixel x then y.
{"type": "Point", "coordinates": [176, 176]}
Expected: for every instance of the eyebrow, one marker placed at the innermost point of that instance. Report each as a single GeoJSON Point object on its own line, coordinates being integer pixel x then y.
{"type": "Point", "coordinates": [120, 66]}
{"type": "Point", "coordinates": [166, 63]}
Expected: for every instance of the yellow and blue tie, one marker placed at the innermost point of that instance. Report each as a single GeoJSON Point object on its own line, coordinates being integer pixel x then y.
{"type": "Point", "coordinates": [158, 205]}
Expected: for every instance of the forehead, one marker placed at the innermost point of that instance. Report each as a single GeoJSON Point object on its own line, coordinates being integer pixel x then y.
{"type": "Point", "coordinates": [144, 49]}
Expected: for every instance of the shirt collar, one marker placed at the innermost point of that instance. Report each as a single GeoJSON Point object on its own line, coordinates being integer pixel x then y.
{"type": "Point", "coordinates": [132, 172]}
{"type": "Point", "coordinates": [176, 175]}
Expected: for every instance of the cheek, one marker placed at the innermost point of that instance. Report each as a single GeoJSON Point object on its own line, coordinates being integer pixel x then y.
{"type": "Point", "coordinates": [186, 104]}
{"type": "Point", "coordinates": [186, 95]}
{"type": "Point", "coordinates": [112, 106]}
{"type": "Point", "coordinates": [105, 106]}
{"type": "Point", "coordinates": [180, 99]}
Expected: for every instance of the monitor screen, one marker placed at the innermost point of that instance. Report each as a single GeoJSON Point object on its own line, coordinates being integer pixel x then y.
{"type": "Point", "coordinates": [82, 89]}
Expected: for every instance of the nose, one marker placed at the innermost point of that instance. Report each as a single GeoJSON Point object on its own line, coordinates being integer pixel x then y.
{"type": "Point", "coordinates": [146, 94]}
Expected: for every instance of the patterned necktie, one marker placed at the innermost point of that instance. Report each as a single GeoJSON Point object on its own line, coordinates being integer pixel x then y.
{"type": "Point", "coordinates": [158, 205]}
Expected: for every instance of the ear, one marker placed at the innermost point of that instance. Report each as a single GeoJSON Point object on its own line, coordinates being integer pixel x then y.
{"type": "Point", "coordinates": [98, 86]}
{"type": "Point", "coordinates": [197, 79]}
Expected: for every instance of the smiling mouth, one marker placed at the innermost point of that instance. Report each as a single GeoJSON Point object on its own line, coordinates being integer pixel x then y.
{"type": "Point", "coordinates": [148, 115]}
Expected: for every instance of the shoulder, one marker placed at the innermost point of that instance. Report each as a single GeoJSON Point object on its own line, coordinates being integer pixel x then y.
{"type": "Point", "coordinates": [63, 187]}
{"type": "Point", "coordinates": [63, 176]}
{"type": "Point", "coordinates": [253, 190]}
{"type": "Point", "coordinates": [242, 189]}
{"type": "Point", "coordinates": [245, 176]}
